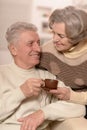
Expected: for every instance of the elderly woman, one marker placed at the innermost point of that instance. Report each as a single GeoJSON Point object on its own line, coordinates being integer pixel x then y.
{"type": "Point", "coordinates": [66, 55]}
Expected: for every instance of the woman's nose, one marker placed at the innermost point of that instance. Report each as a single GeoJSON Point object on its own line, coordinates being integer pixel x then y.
{"type": "Point", "coordinates": [56, 37]}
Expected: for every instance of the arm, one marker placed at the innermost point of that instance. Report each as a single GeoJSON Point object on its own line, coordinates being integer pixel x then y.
{"type": "Point", "coordinates": [69, 95]}
{"type": "Point", "coordinates": [11, 99]}
{"type": "Point", "coordinates": [78, 97]}
{"type": "Point", "coordinates": [9, 102]}
{"type": "Point", "coordinates": [32, 121]}
{"type": "Point", "coordinates": [59, 110]}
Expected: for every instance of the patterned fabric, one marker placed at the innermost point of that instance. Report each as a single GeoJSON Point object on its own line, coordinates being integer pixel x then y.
{"type": "Point", "coordinates": [71, 70]}
{"type": "Point", "coordinates": [74, 76]}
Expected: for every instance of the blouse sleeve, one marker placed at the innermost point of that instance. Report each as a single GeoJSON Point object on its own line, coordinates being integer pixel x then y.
{"type": "Point", "coordinates": [78, 97]}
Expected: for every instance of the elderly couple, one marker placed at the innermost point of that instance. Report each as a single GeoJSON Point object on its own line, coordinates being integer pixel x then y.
{"type": "Point", "coordinates": [24, 104]}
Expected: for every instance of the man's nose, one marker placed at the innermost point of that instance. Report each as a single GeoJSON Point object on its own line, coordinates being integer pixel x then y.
{"type": "Point", "coordinates": [37, 47]}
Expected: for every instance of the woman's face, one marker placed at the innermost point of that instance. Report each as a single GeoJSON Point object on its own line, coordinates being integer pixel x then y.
{"type": "Point", "coordinates": [60, 39]}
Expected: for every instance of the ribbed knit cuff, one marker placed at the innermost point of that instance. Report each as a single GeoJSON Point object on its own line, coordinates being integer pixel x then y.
{"type": "Point", "coordinates": [78, 97]}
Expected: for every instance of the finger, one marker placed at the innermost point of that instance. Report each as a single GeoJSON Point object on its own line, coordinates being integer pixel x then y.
{"type": "Point", "coordinates": [33, 128]}
{"type": "Point", "coordinates": [21, 120]}
{"type": "Point", "coordinates": [27, 126]}
{"type": "Point", "coordinates": [23, 126]}
{"type": "Point", "coordinates": [39, 83]}
{"type": "Point", "coordinates": [54, 91]}
{"type": "Point", "coordinates": [42, 83]}
{"type": "Point", "coordinates": [60, 97]}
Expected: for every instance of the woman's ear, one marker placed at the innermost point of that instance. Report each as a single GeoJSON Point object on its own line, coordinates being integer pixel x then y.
{"type": "Point", "coordinates": [12, 49]}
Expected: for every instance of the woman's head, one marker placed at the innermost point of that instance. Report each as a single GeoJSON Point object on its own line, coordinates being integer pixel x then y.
{"type": "Point", "coordinates": [75, 23]}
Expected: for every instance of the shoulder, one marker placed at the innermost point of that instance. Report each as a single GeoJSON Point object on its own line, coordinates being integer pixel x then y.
{"type": "Point", "coordinates": [4, 68]}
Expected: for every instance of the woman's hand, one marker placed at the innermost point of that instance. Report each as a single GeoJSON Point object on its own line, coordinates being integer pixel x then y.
{"type": "Point", "coordinates": [61, 93]}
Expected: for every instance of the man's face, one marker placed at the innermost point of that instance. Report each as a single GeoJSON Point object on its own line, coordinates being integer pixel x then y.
{"type": "Point", "coordinates": [27, 50]}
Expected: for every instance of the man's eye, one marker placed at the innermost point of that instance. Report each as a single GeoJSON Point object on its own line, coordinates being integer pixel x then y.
{"type": "Point", "coordinates": [29, 43]}
{"type": "Point", "coordinates": [38, 42]}
{"type": "Point", "coordinates": [52, 32]}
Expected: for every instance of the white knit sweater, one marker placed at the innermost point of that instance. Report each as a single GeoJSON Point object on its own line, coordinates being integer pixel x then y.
{"type": "Point", "coordinates": [13, 103]}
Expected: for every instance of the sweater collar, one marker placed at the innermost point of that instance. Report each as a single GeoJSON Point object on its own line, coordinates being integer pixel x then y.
{"type": "Point", "coordinates": [77, 51]}
{"type": "Point", "coordinates": [21, 70]}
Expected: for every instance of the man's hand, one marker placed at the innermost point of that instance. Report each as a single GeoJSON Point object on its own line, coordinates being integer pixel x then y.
{"type": "Point", "coordinates": [32, 121]}
{"type": "Point", "coordinates": [32, 87]}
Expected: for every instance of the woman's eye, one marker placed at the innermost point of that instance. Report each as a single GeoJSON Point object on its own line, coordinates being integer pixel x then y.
{"type": "Point", "coordinates": [61, 36]}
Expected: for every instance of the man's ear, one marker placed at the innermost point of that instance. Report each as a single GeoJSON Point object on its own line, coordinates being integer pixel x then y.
{"type": "Point", "coordinates": [13, 49]}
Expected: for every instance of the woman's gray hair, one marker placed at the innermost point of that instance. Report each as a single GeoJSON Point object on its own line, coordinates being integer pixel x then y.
{"type": "Point", "coordinates": [75, 21]}
{"type": "Point", "coordinates": [14, 31]}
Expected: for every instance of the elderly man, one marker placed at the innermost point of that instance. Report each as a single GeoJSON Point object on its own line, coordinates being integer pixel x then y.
{"type": "Point", "coordinates": [21, 94]}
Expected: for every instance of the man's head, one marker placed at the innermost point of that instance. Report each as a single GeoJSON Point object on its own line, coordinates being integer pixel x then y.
{"type": "Point", "coordinates": [24, 44]}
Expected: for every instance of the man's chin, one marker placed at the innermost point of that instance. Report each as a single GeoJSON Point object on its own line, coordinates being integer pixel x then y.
{"type": "Point", "coordinates": [37, 62]}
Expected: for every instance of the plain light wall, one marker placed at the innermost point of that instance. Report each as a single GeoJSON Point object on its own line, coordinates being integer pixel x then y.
{"type": "Point", "coordinates": [5, 57]}
{"type": "Point", "coordinates": [21, 10]}
{"type": "Point", "coordinates": [11, 11]}
{"type": "Point", "coordinates": [25, 10]}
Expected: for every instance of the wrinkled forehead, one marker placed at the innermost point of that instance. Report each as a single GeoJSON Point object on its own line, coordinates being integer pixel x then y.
{"type": "Point", "coordinates": [29, 36]}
